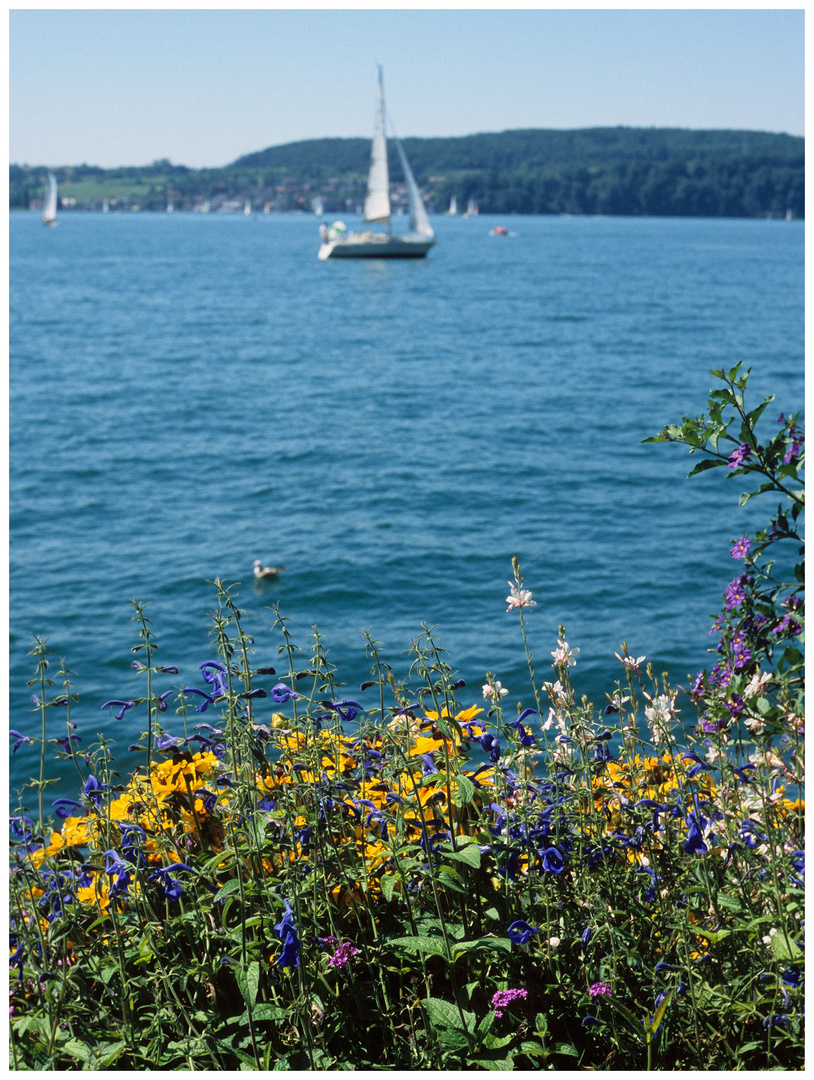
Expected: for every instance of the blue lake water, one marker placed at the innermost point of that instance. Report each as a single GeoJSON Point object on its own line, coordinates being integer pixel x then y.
{"type": "Point", "coordinates": [189, 393]}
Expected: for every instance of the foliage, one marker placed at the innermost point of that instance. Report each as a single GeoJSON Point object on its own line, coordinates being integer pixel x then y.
{"type": "Point", "coordinates": [416, 882]}
{"type": "Point", "coordinates": [585, 171]}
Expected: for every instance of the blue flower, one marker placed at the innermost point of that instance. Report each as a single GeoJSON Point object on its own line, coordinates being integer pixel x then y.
{"type": "Point", "coordinates": [93, 789]}
{"type": "Point", "coordinates": [171, 886]}
{"type": "Point", "coordinates": [208, 699]}
{"type": "Point", "coordinates": [116, 868]}
{"type": "Point", "coordinates": [123, 707]}
{"type": "Point", "coordinates": [64, 807]}
{"type": "Point", "coordinates": [520, 932]}
{"type": "Point", "coordinates": [282, 693]}
{"type": "Point", "coordinates": [287, 932]}
{"type": "Point", "coordinates": [161, 701]}
{"type": "Point", "coordinates": [22, 740]}
{"type": "Point", "coordinates": [346, 709]}
{"type": "Point", "coordinates": [695, 841]}
{"type": "Point", "coordinates": [491, 745]}
{"type": "Point", "coordinates": [525, 737]}
{"type": "Point", "coordinates": [552, 861]}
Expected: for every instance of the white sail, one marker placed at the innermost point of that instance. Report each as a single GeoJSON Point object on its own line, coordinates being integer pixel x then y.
{"type": "Point", "coordinates": [49, 210]}
{"type": "Point", "coordinates": [377, 203]}
{"type": "Point", "coordinates": [453, 207]}
{"type": "Point", "coordinates": [419, 222]}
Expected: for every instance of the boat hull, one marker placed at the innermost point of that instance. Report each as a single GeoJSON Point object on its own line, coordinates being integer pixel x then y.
{"type": "Point", "coordinates": [386, 247]}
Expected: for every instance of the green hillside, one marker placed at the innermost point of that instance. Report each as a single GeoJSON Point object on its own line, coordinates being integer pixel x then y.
{"type": "Point", "coordinates": [632, 171]}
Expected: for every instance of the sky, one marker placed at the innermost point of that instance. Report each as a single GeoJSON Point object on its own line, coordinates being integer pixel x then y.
{"type": "Point", "coordinates": [204, 86]}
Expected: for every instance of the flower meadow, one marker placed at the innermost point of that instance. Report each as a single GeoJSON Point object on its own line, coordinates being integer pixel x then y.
{"type": "Point", "coordinates": [418, 875]}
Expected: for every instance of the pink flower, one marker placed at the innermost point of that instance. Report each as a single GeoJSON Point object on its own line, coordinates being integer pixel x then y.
{"type": "Point", "coordinates": [503, 997]}
{"type": "Point", "coordinates": [343, 955]}
{"type": "Point", "coordinates": [600, 988]}
{"type": "Point", "coordinates": [519, 597]}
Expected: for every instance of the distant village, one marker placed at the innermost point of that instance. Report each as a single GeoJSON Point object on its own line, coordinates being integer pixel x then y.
{"type": "Point", "coordinates": [336, 195]}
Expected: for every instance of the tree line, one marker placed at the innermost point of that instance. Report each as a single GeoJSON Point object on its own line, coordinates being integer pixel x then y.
{"type": "Point", "coordinates": [629, 171]}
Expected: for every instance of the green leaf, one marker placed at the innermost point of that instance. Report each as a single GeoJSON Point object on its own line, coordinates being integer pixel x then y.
{"type": "Point", "coordinates": [532, 1048]}
{"type": "Point", "coordinates": [705, 465]}
{"type": "Point", "coordinates": [634, 1021]}
{"type": "Point", "coordinates": [77, 1049]}
{"type": "Point", "coordinates": [469, 853]}
{"type": "Point", "coordinates": [658, 1016]}
{"type": "Point", "coordinates": [445, 1014]}
{"type": "Point", "coordinates": [783, 951]}
{"type": "Point", "coordinates": [432, 946]}
{"type": "Point", "coordinates": [494, 944]}
{"type": "Point", "coordinates": [252, 983]}
{"type": "Point", "coordinates": [265, 1011]}
{"type": "Point", "coordinates": [566, 1048]}
{"type": "Point", "coordinates": [496, 1064]}
{"type": "Point", "coordinates": [388, 884]}
{"type": "Point", "coordinates": [464, 792]}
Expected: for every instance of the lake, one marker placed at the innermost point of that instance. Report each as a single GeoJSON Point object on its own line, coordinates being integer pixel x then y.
{"type": "Point", "coordinates": [192, 392]}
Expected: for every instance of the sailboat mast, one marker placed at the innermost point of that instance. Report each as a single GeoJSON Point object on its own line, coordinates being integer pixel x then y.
{"type": "Point", "coordinates": [377, 203]}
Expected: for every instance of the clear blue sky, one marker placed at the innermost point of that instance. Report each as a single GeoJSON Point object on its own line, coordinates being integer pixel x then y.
{"type": "Point", "coordinates": [201, 87]}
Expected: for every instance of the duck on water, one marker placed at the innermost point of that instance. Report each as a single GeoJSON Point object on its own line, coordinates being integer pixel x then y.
{"type": "Point", "coordinates": [266, 572]}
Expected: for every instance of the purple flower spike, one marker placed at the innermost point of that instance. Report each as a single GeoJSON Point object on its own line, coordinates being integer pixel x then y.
{"type": "Point", "coordinates": [505, 997]}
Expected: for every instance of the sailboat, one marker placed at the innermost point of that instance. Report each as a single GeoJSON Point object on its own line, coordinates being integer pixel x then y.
{"type": "Point", "coordinates": [49, 209]}
{"type": "Point", "coordinates": [471, 209]}
{"type": "Point", "coordinates": [453, 207]}
{"type": "Point", "coordinates": [317, 206]}
{"type": "Point", "coordinates": [382, 245]}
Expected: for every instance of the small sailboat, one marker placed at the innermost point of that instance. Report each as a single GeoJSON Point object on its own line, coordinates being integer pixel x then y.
{"type": "Point", "coordinates": [382, 245]}
{"type": "Point", "coordinates": [453, 207]}
{"type": "Point", "coordinates": [170, 207]}
{"type": "Point", "coordinates": [49, 209]}
{"type": "Point", "coordinates": [105, 206]}
{"type": "Point", "coordinates": [247, 208]}
{"type": "Point", "coordinates": [317, 206]}
{"type": "Point", "coordinates": [471, 209]}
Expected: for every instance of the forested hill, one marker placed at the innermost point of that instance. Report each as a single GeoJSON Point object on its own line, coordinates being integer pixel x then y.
{"type": "Point", "coordinates": [657, 171]}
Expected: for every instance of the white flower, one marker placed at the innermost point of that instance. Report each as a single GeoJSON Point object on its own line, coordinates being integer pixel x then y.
{"type": "Point", "coordinates": [662, 711]}
{"type": "Point", "coordinates": [564, 654]}
{"type": "Point", "coordinates": [754, 688]}
{"type": "Point", "coordinates": [714, 754]}
{"type": "Point", "coordinates": [554, 942]}
{"type": "Point", "coordinates": [518, 598]}
{"type": "Point", "coordinates": [754, 724]}
{"type": "Point", "coordinates": [556, 692]}
{"type": "Point", "coordinates": [552, 719]}
{"type": "Point", "coordinates": [629, 662]}
{"type": "Point", "coordinates": [496, 693]}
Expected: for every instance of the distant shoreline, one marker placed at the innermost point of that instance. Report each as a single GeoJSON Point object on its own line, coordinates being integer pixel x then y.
{"type": "Point", "coordinates": [619, 171]}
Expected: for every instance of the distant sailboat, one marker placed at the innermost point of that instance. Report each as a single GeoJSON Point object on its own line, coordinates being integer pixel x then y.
{"type": "Point", "coordinates": [170, 208]}
{"type": "Point", "coordinates": [317, 206]}
{"type": "Point", "coordinates": [384, 245]}
{"type": "Point", "coordinates": [247, 208]}
{"type": "Point", "coordinates": [105, 206]}
{"type": "Point", "coordinates": [471, 209]}
{"type": "Point", "coordinates": [49, 209]}
{"type": "Point", "coordinates": [453, 207]}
